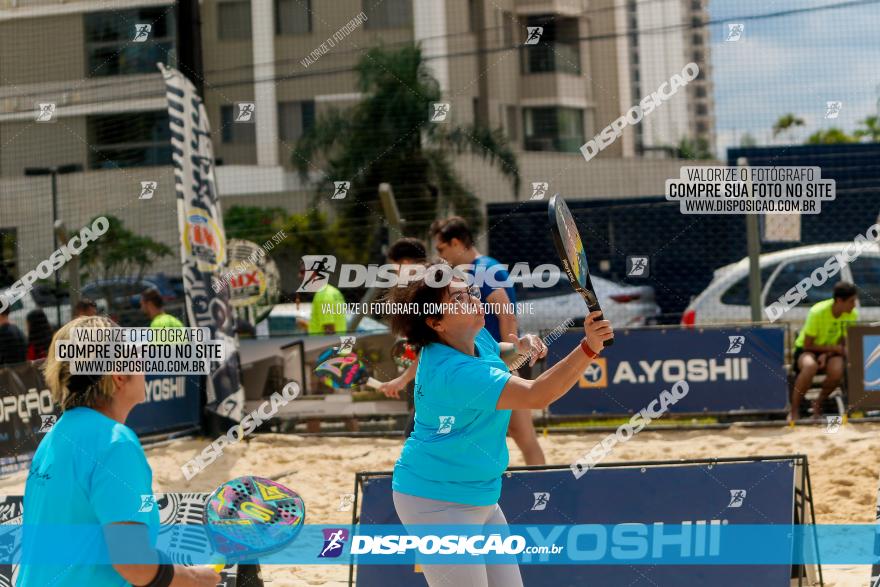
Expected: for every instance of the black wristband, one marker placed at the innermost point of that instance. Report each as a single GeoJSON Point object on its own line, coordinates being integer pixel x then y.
{"type": "Point", "coordinates": [165, 573]}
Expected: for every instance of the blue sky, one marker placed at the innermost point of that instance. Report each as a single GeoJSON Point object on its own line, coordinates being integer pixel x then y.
{"type": "Point", "coordinates": [793, 63]}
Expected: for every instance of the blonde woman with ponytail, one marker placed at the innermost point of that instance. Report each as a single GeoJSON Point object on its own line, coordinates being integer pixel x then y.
{"type": "Point", "coordinates": [90, 469]}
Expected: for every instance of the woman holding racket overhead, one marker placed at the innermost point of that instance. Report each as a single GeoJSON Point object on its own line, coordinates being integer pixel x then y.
{"type": "Point", "coordinates": [449, 471]}
{"type": "Point", "coordinates": [90, 470]}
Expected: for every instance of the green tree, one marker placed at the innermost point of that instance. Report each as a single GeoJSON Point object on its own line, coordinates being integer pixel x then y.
{"type": "Point", "coordinates": [786, 123]}
{"type": "Point", "coordinates": [389, 137]}
{"type": "Point", "coordinates": [871, 129]}
{"type": "Point", "coordinates": [830, 136]}
{"type": "Point", "coordinates": [693, 149]}
{"type": "Point", "coordinates": [122, 256]}
{"type": "Point", "coordinates": [253, 223]}
{"type": "Point", "coordinates": [747, 140]}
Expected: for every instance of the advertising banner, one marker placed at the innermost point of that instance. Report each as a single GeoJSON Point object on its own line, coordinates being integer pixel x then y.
{"type": "Point", "coordinates": [863, 367]}
{"type": "Point", "coordinates": [726, 369]}
{"type": "Point", "coordinates": [689, 497]}
{"type": "Point", "coordinates": [202, 238]}
{"type": "Point", "coordinates": [28, 412]}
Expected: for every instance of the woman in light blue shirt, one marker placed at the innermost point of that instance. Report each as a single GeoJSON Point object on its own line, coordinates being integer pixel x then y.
{"type": "Point", "coordinates": [90, 471]}
{"type": "Point", "coordinates": [449, 471]}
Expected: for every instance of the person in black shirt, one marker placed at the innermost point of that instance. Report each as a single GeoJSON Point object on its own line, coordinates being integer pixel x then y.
{"type": "Point", "coordinates": [13, 348]}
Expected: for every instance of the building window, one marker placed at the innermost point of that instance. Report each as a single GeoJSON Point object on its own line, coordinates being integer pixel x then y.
{"type": "Point", "coordinates": [109, 37]}
{"type": "Point", "coordinates": [8, 256]}
{"type": "Point", "coordinates": [134, 139]}
{"type": "Point", "coordinates": [473, 16]}
{"type": "Point", "coordinates": [387, 14]}
{"type": "Point", "coordinates": [293, 17]}
{"type": "Point", "coordinates": [702, 128]}
{"type": "Point", "coordinates": [234, 20]}
{"type": "Point", "coordinates": [294, 119]}
{"type": "Point", "coordinates": [702, 110]}
{"type": "Point", "coordinates": [697, 39]}
{"type": "Point", "coordinates": [553, 129]}
{"type": "Point", "coordinates": [558, 50]}
{"type": "Point", "coordinates": [700, 91]}
{"type": "Point", "coordinates": [698, 56]}
{"type": "Point", "coordinates": [232, 132]}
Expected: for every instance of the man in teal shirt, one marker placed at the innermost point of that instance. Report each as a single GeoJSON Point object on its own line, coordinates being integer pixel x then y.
{"type": "Point", "coordinates": [820, 346]}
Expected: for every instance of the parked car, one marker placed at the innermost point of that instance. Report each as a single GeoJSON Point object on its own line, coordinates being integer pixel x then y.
{"type": "Point", "coordinates": [290, 319]}
{"type": "Point", "coordinates": [126, 295]}
{"type": "Point", "coordinates": [624, 305]}
{"type": "Point", "coordinates": [726, 299]}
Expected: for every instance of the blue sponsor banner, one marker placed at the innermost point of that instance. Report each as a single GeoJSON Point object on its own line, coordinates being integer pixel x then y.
{"type": "Point", "coordinates": [698, 496]}
{"type": "Point", "coordinates": [172, 402]}
{"type": "Point", "coordinates": [870, 356]}
{"type": "Point", "coordinates": [727, 370]}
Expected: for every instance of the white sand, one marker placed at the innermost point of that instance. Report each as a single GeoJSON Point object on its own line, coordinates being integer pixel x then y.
{"type": "Point", "coordinates": [844, 468]}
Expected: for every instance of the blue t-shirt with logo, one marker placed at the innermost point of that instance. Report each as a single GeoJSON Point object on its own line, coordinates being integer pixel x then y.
{"type": "Point", "coordinates": [457, 450]}
{"type": "Point", "coordinates": [89, 470]}
{"type": "Point", "coordinates": [482, 267]}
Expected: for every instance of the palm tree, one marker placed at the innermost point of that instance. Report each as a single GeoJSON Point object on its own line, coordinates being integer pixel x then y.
{"type": "Point", "coordinates": [389, 137]}
{"type": "Point", "coordinates": [786, 122]}
{"type": "Point", "coordinates": [871, 129]}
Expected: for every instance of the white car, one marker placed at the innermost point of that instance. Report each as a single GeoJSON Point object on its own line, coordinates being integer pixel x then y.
{"type": "Point", "coordinates": [726, 299]}
{"type": "Point", "coordinates": [624, 305]}
{"type": "Point", "coordinates": [291, 319]}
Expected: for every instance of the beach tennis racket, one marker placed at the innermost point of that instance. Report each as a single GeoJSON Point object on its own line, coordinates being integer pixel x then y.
{"type": "Point", "coordinates": [249, 517]}
{"type": "Point", "coordinates": [571, 252]}
{"type": "Point", "coordinates": [343, 371]}
{"type": "Point", "coordinates": [404, 354]}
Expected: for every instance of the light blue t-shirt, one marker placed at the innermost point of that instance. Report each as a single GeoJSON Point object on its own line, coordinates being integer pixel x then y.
{"type": "Point", "coordinates": [88, 470]}
{"type": "Point", "coordinates": [457, 450]}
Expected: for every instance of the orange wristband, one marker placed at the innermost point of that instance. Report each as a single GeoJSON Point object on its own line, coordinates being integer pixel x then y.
{"type": "Point", "coordinates": [586, 348]}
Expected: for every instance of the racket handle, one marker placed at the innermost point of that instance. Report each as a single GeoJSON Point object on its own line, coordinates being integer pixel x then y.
{"type": "Point", "coordinates": [373, 383]}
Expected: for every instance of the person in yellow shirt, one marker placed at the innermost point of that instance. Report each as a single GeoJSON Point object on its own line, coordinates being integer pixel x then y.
{"type": "Point", "coordinates": [153, 306]}
{"type": "Point", "coordinates": [820, 346]}
{"type": "Point", "coordinates": [328, 315]}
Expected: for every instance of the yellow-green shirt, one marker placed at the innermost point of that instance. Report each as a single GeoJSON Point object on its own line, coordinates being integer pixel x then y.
{"type": "Point", "coordinates": [164, 320]}
{"type": "Point", "coordinates": [327, 309]}
{"type": "Point", "coordinates": [823, 327]}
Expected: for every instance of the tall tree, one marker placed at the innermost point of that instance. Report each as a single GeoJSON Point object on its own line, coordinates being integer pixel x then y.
{"type": "Point", "coordinates": [830, 136]}
{"type": "Point", "coordinates": [389, 137]}
{"type": "Point", "coordinates": [786, 123]}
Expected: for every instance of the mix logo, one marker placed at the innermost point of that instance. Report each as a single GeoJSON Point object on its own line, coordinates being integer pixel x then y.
{"type": "Point", "coordinates": [148, 190]}
{"type": "Point", "coordinates": [46, 112]}
{"type": "Point", "coordinates": [735, 344]}
{"type": "Point", "coordinates": [832, 109]}
{"type": "Point", "coordinates": [446, 424]}
{"type": "Point", "coordinates": [334, 542]}
{"type": "Point", "coordinates": [148, 503]}
{"type": "Point", "coordinates": [542, 498]}
{"type": "Point", "coordinates": [245, 111]}
{"type": "Point", "coordinates": [318, 271]}
{"type": "Point", "coordinates": [734, 31]}
{"type": "Point", "coordinates": [46, 422]}
{"type": "Point", "coordinates": [596, 374]}
{"type": "Point", "coordinates": [539, 190]}
{"type": "Point", "coordinates": [637, 266]}
{"type": "Point", "coordinates": [346, 500]}
{"type": "Point", "coordinates": [440, 111]}
{"type": "Point", "coordinates": [340, 190]}
{"type": "Point", "coordinates": [832, 424]}
{"type": "Point", "coordinates": [142, 32]}
{"type": "Point", "coordinates": [737, 497]}
{"type": "Point", "coordinates": [534, 34]}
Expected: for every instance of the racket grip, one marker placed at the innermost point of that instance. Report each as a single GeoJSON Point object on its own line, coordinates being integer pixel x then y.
{"type": "Point", "coordinates": [373, 383]}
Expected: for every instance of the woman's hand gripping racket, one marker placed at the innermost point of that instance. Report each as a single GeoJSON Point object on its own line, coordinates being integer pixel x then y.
{"type": "Point", "coordinates": [343, 371]}
{"type": "Point", "coordinates": [571, 252]}
{"type": "Point", "coordinates": [249, 517]}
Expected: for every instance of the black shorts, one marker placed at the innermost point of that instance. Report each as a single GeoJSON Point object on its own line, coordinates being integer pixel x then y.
{"type": "Point", "coordinates": [797, 355]}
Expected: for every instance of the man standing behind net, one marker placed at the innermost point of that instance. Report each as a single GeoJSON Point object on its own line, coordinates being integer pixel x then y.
{"type": "Point", "coordinates": [455, 243]}
{"type": "Point", "coordinates": [13, 349]}
{"type": "Point", "coordinates": [153, 306]}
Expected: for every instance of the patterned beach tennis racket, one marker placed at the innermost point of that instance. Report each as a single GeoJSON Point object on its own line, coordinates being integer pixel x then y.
{"type": "Point", "coordinates": [249, 517]}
